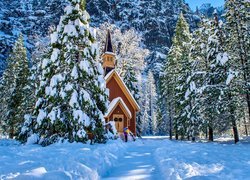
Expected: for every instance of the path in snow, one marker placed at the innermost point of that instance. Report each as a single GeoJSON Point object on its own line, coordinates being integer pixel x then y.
{"type": "Point", "coordinates": [137, 163]}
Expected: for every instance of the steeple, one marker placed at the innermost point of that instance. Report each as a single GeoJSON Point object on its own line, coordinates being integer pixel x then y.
{"type": "Point", "coordinates": [108, 44]}
{"type": "Point", "coordinates": [108, 56]}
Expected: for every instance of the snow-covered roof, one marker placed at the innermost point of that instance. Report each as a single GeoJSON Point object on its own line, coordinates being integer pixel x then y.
{"type": "Point", "coordinates": [114, 104]}
{"type": "Point", "coordinates": [110, 53]}
{"type": "Point", "coordinates": [110, 74]}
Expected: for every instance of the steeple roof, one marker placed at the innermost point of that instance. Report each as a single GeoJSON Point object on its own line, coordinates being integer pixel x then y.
{"type": "Point", "coordinates": [108, 44]}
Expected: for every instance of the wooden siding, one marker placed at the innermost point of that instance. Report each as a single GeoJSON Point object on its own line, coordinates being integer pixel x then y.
{"type": "Point", "coordinates": [116, 91]}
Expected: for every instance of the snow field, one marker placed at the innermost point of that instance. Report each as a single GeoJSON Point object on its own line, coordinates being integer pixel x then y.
{"type": "Point", "coordinates": [58, 161]}
{"type": "Point", "coordinates": [184, 160]}
{"type": "Point", "coordinates": [151, 158]}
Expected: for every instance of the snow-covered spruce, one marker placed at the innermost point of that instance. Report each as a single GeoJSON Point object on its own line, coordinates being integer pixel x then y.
{"type": "Point", "coordinates": [176, 71]}
{"type": "Point", "coordinates": [14, 90]}
{"type": "Point", "coordinates": [238, 45]}
{"type": "Point", "coordinates": [72, 96]}
{"type": "Point", "coordinates": [149, 122]}
{"type": "Point", "coordinates": [210, 81]}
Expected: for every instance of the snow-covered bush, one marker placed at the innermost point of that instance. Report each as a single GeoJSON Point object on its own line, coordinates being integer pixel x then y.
{"type": "Point", "coordinates": [111, 131]}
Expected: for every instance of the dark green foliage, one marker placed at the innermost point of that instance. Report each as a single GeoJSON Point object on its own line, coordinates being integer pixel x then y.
{"type": "Point", "coordinates": [14, 90]}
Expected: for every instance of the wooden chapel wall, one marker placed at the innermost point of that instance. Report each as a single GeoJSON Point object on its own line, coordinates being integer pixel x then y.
{"type": "Point", "coordinates": [116, 91]}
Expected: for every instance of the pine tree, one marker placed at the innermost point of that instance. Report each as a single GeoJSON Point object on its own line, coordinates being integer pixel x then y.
{"type": "Point", "coordinates": [238, 42]}
{"type": "Point", "coordinates": [196, 80]}
{"type": "Point", "coordinates": [140, 102]}
{"type": "Point", "coordinates": [148, 100]}
{"type": "Point", "coordinates": [145, 107]}
{"type": "Point", "coordinates": [163, 117]}
{"type": "Point", "coordinates": [215, 78]}
{"type": "Point", "coordinates": [152, 104]}
{"type": "Point", "coordinates": [72, 95]}
{"type": "Point", "coordinates": [14, 88]}
{"type": "Point", "coordinates": [131, 82]}
{"type": "Point", "coordinates": [211, 72]}
{"type": "Point", "coordinates": [162, 126]}
{"type": "Point", "coordinates": [175, 73]}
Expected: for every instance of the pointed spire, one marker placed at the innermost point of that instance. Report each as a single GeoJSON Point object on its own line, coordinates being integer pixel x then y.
{"type": "Point", "coordinates": [108, 56]}
{"type": "Point", "coordinates": [108, 44]}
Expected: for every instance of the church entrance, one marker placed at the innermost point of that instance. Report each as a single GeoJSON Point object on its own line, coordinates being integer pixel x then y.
{"type": "Point", "coordinates": [119, 122]}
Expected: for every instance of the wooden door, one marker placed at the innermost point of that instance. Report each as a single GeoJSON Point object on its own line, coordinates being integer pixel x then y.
{"type": "Point", "coordinates": [119, 122]}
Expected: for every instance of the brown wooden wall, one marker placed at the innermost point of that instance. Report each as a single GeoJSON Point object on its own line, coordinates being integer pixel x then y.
{"type": "Point", "coordinates": [114, 92]}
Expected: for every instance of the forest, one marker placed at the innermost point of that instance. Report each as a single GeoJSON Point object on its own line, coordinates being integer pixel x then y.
{"type": "Point", "coordinates": [200, 90]}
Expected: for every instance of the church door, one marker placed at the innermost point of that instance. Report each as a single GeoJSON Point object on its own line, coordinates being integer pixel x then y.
{"type": "Point", "coordinates": [119, 122]}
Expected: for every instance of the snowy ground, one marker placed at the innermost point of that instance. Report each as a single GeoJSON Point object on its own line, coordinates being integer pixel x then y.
{"type": "Point", "coordinates": [59, 161]}
{"type": "Point", "coordinates": [150, 158]}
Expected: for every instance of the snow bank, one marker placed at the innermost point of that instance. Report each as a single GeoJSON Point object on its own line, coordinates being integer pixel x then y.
{"type": "Point", "coordinates": [58, 161]}
{"type": "Point", "coordinates": [183, 160]}
{"type": "Point", "coordinates": [152, 157]}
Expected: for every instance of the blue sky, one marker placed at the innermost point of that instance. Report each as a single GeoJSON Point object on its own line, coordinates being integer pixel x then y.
{"type": "Point", "coordinates": [194, 3]}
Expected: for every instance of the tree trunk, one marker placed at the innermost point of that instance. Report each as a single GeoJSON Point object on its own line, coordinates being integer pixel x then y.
{"type": "Point", "coordinates": [246, 131]}
{"type": "Point", "coordinates": [170, 129]}
{"type": "Point", "coordinates": [210, 134]}
{"type": "Point", "coordinates": [11, 134]}
{"type": "Point", "coordinates": [176, 130]}
{"type": "Point", "coordinates": [233, 120]}
{"type": "Point", "coordinates": [235, 131]}
{"type": "Point", "coordinates": [206, 133]}
{"type": "Point", "coordinates": [244, 63]}
{"type": "Point", "coordinates": [248, 104]}
{"type": "Point", "coordinates": [193, 139]}
{"type": "Point", "coordinates": [176, 135]}
{"type": "Point", "coordinates": [170, 122]}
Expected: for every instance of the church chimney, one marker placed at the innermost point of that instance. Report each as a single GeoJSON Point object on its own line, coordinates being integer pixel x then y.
{"type": "Point", "coordinates": [108, 56]}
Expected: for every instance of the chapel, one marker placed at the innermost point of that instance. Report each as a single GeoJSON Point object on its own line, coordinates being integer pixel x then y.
{"type": "Point", "coordinates": [123, 106]}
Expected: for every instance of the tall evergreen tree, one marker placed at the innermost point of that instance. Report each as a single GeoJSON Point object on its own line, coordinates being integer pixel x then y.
{"type": "Point", "coordinates": [191, 101]}
{"type": "Point", "coordinates": [72, 96]}
{"type": "Point", "coordinates": [163, 116]}
{"type": "Point", "coordinates": [199, 66]}
{"type": "Point", "coordinates": [218, 95]}
{"type": "Point", "coordinates": [211, 76]}
{"type": "Point", "coordinates": [152, 104]}
{"type": "Point", "coordinates": [238, 42]}
{"type": "Point", "coordinates": [145, 107]}
{"type": "Point", "coordinates": [175, 73]}
{"type": "Point", "coordinates": [148, 100]}
{"type": "Point", "coordinates": [14, 90]}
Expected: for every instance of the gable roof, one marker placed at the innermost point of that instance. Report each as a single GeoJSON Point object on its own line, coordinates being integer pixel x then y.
{"type": "Point", "coordinates": [124, 88]}
{"type": "Point", "coordinates": [114, 104]}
